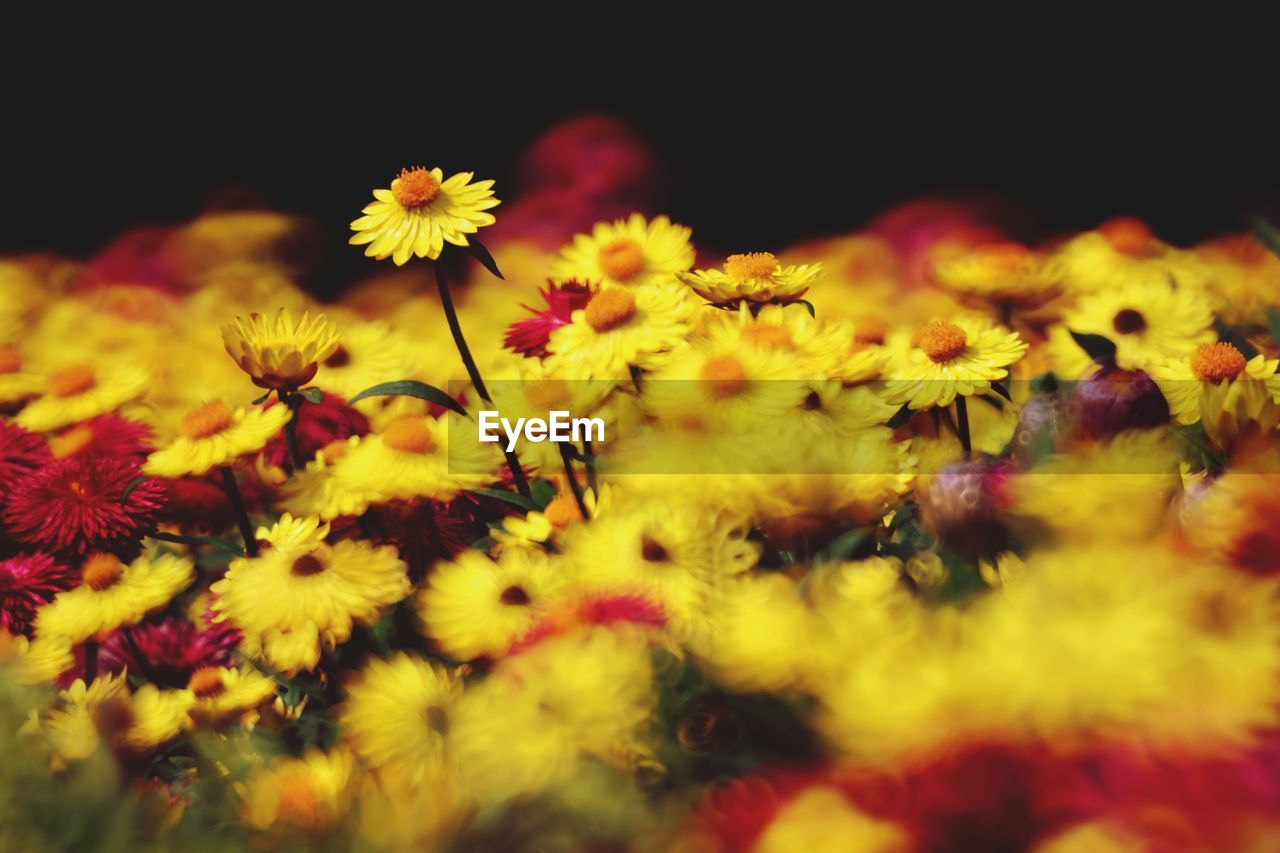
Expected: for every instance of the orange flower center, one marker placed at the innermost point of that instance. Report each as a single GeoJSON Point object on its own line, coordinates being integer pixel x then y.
{"type": "Point", "coordinates": [724, 375]}
{"type": "Point", "coordinates": [622, 259]}
{"type": "Point", "coordinates": [1127, 235]}
{"type": "Point", "coordinates": [751, 265]}
{"type": "Point", "coordinates": [771, 335]}
{"type": "Point", "coordinates": [609, 309]}
{"type": "Point", "coordinates": [10, 360]}
{"type": "Point", "coordinates": [71, 442]}
{"type": "Point", "coordinates": [1003, 257]}
{"type": "Point", "coordinates": [298, 802]}
{"type": "Point", "coordinates": [206, 682]}
{"type": "Point", "coordinates": [410, 434]}
{"type": "Point", "coordinates": [205, 420]}
{"type": "Point", "coordinates": [869, 330]}
{"type": "Point", "coordinates": [1128, 321]}
{"type": "Point", "coordinates": [562, 511]}
{"type": "Point", "coordinates": [942, 341]}
{"type": "Point", "coordinates": [101, 571]}
{"type": "Point", "coordinates": [415, 188]}
{"type": "Point", "coordinates": [306, 566]}
{"type": "Point", "coordinates": [72, 381]}
{"type": "Point", "coordinates": [334, 450]}
{"type": "Point", "coordinates": [1217, 362]}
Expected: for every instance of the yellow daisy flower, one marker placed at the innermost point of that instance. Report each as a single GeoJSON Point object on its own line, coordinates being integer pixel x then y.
{"type": "Point", "coordinates": [1216, 386]}
{"type": "Point", "coordinates": [214, 435]}
{"type": "Point", "coordinates": [79, 392]}
{"type": "Point", "coordinates": [627, 253]}
{"type": "Point", "coordinates": [421, 212]}
{"type": "Point", "coordinates": [1148, 321]}
{"type": "Point", "coordinates": [315, 492]}
{"type": "Point", "coordinates": [290, 605]}
{"type": "Point", "coordinates": [114, 595]}
{"type": "Point", "coordinates": [823, 348]}
{"type": "Point", "coordinates": [396, 716]}
{"type": "Point", "coordinates": [156, 716]}
{"type": "Point", "coordinates": [221, 692]}
{"type": "Point", "coordinates": [951, 359]}
{"type": "Point", "coordinates": [292, 535]}
{"type": "Point", "coordinates": [474, 606]}
{"type": "Point", "coordinates": [753, 277]}
{"type": "Point", "coordinates": [310, 794]}
{"type": "Point", "coordinates": [280, 353]}
{"type": "Point", "coordinates": [620, 329]}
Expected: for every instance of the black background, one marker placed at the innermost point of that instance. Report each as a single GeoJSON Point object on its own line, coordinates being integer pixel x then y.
{"type": "Point", "coordinates": [753, 160]}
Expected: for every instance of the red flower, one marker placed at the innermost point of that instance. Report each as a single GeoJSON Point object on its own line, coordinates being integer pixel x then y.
{"type": "Point", "coordinates": [105, 435]}
{"type": "Point", "coordinates": [26, 582]}
{"type": "Point", "coordinates": [21, 452]}
{"type": "Point", "coordinates": [196, 505]}
{"type": "Point", "coordinates": [529, 337]}
{"type": "Point", "coordinates": [318, 424]}
{"type": "Point", "coordinates": [425, 531]}
{"type": "Point", "coordinates": [167, 652]}
{"type": "Point", "coordinates": [79, 505]}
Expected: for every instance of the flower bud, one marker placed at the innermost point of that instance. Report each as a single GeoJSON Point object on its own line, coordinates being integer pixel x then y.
{"type": "Point", "coordinates": [1114, 400]}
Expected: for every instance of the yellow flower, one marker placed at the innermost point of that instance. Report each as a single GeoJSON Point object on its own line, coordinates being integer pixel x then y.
{"type": "Point", "coordinates": [753, 277]}
{"type": "Point", "coordinates": [280, 353]}
{"type": "Point", "coordinates": [68, 730]}
{"type": "Point", "coordinates": [35, 661]}
{"type": "Point", "coordinates": [396, 716]}
{"type": "Point", "coordinates": [950, 360]}
{"type": "Point", "coordinates": [421, 212]}
{"type": "Point", "coordinates": [214, 435]}
{"type": "Point", "coordinates": [1216, 386]}
{"type": "Point", "coordinates": [761, 635]}
{"type": "Point", "coordinates": [997, 272]}
{"type": "Point", "coordinates": [294, 535]}
{"type": "Point", "coordinates": [114, 595]}
{"type": "Point", "coordinates": [627, 253]}
{"type": "Point", "coordinates": [310, 794]}
{"type": "Point", "coordinates": [825, 349]}
{"type": "Point", "coordinates": [220, 692]}
{"type": "Point", "coordinates": [538, 527]}
{"type": "Point", "coordinates": [369, 353]}
{"type": "Point", "coordinates": [289, 604]}
{"type": "Point", "coordinates": [16, 381]}
{"type": "Point", "coordinates": [474, 606]}
{"type": "Point", "coordinates": [820, 813]}
{"type": "Point", "coordinates": [1148, 321]}
{"type": "Point", "coordinates": [78, 392]}
{"type": "Point", "coordinates": [156, 716]}
{"type": "Point", "coordinates": [418, 457]}
{"type": "Point", "coordinates": [620, 329]}
{"type": "Point", "coordinates": [1123, 253]}
{"type": "Point", "coordinates": [315, 492]}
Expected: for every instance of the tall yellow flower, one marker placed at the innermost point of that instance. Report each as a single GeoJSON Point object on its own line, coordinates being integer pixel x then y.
{"type": "Point", "coordinates": [950, 360]}
{"type": "Point", "coordinates": [421, 212]}
{"type": "Point", "coordinates": [282, 352]}
{"type": "Point", "coordinates": [627, 253]}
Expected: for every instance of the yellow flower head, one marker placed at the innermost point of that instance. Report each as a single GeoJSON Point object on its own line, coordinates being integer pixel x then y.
{"type": "Point", "coordinates": [752, 277]}
{"type": "Point", "coordinates": [1148, 321]}
{"type": "Point", "coordinates": [1216, 386]}
{"type": "Point", "coordinates": [997, 272]}
{"type": "Point", "coordinates": [221, 692]}
{"type": "Point", "coordinates": [951, 359]}
{"type": "Point", "coordinates": [283, 352]}
{"type": "Point", "coordinates": [113, 595]}
{"type": "Point", "coordinates": [17, 381]}
{"type": "Point", "coordinates": [396, 716]}
{"type": "Point", "coordinates": [310, 794]}
{"type": "Point", "coordinates": [81, 391]}
{"type": "Point", "coordinates": [367, 355]}
{"type": "Point", "coordinates": [214, 435]}
{"type": "Point", "coordinates": [421, 212]}
{"type": "Point", "coordinates": [546, 525]}
{"type": "Point", "coordinates": [289, 604]}
{"type": "Point", "coordinates": [474, 606]}
{"type": "Point", "coordinates": [292, 535]}
{"type": "Point", "coordinates": [627, 253]}
{"type": "Point", "coordinates": [620, 329]}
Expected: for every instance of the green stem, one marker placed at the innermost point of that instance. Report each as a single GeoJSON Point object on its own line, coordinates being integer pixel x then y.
{"type": "Point", "coordinates": [232, 488]}
{"type": "Point", "coordinates": [573, 481]}
{"type": "Point", "coordinates": [962, 416]}
{"type": "Point", "coordinates": [473, 372]}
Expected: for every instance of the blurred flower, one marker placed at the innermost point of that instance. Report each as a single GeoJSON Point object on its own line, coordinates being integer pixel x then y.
{"type": "Point", "coordinates": [421, 212]}
{"type": "Point", "coordinates": [214, 435]}
{"type": "Point", "coordinates": [114, 594]}
{"type": "Point", "coordinates": [169, 651]}
{"type": "Point", "coordinates": [626, 253]}
{"type": "Point", "coordinates": [308, 794]}
{"type": "Point", "coordinates": [105, 435]}
{"type": "Point", "coordinates": [620, 329]}
{"type": "Point", "coordinates": [1111, 401]}
{"type": "Point", "coordinates": [1148, 322]}
{"type": "Point", "coordinates": [21, 452]}
{"type": "Point", "coordinates": [316, 424]}
{"type": "Point", "coordinates": [81, 391]}
{"type": "Point", "coordinates": [27, 582]}
{"type": "Point", "coordinates": [280, 353]}
{"type": "Point", "coordinates": [755, 277]}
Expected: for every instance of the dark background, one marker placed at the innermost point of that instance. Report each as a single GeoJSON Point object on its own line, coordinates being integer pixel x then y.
{"type": "Point", "coordinates": [753, 160]}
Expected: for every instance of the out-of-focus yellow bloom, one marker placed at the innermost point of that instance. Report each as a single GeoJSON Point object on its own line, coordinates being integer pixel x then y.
{"type": "Point", "coordinates": [214, 435]}
{"type": "Point", "coordinates": [222, 692]}
{"type": "Point", "coordinates": [474, 606]}
{"type": "Point", "coordinates": [113, 595]}
{"type": "Point", "coordinates": [1008, 273]}
{"type": "Point", "coordinates": [290, 535]}
{"type": "Point", "coordinates": [1123, 253]}
{"type": "Point", "coordinates": [627, 253]}
{"type": "Point", "coordinates": [310, 794]}
{"type": "Point", "coordinates": [539, 527]}
{"type": "Point", "coordinates": [290, 604]}
{"type": "Point", "coordinates": [397, 715]}
{"type": "Point", "coordinates": [80, 391]}
{"type": "Point", "coordinates": [621, 329]}
{"type": "Point", "coordinates": [421, 212]}
{"type": "Point", "coordinates": [368, 354]}
{"type": "Point", "coordinates": [17, 381]}
{"type": "Point", "coordinates": [1148, 322]}
{"type": "Point", "coordinates": [950, 360]}
{"type": "Point", "coordinates": [754, 277]}
{"type": "Point", "coordinates": [280, 352]}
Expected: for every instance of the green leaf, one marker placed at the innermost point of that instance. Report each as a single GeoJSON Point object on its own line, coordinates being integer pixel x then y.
{"type": "Point", "coordinates": [182, 539]}
{"type": "Point", "coordinates": [809, 306]}
{"type": "Point", "coordinates": [411, 388]}
{"type": "Point", "coordinates": [1273, 323]}
{"type": "Point", "coordinates": [1045, 383]}
{"type": "Point", "coordinates": [509, 497]}
{"type": "Point", "coordinates": [1267, 234]}
{"type": "Point", "coordinates": [1097, 347]}
{"type": "Point", "coordinates": [543, 492]}
{"type": "Point", "coordinates": [901, 417]}
{"type": "Point", "coordinates": [999, 388]}
{"type": "Point", "coordinates": [482, 254]}
{"type": "Point", "coordinates": [312, 395]}
{"type": "Point", "coordinates": [1233, 337]}
{"type": "Point", "coordinates": [129, 487]}
{"type": "Point", "coordinates": [845, 545]}
{"type": "Point", "coordinates": [262, 399]}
